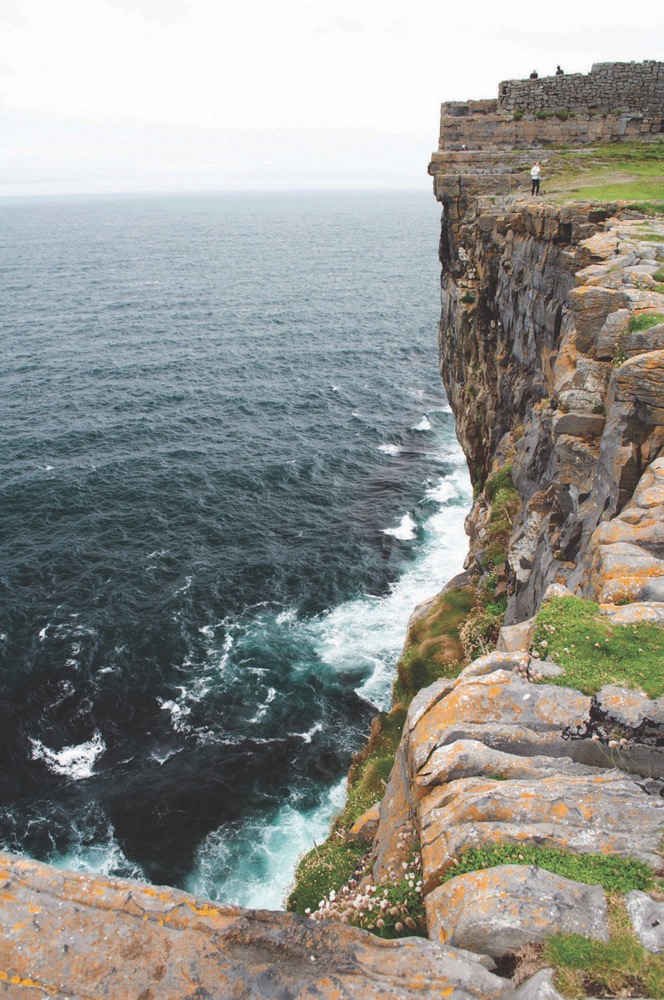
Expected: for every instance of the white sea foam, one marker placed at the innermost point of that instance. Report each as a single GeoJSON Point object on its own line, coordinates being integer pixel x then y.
{"type": "Point", "coordinates": [370, 631]}
{"type": "Point", "coordinates": [405, 530]}
{"type": "Point", "coordinates": [75, 762]}
{"type": "Point", "coordinates": [424, 424]}
{"type": "Point", "coordinates": [390, 449]}
{"type": "Point", "coordinates": [161, 759]}
{"type": "Point", "coordinates": [251, 864]}
{"type": "Point", "coordinates": [287, 616]}
{"type": "Point", "coordinates": [179, 711]}
{"type": "Point", "coordinates": [444, 490]}
{"type": "Point", "coordinates": [103, 857]}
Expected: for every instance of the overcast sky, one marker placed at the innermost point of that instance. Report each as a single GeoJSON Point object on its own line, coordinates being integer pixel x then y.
{"type": "Point", "coordinates": [122, 95]}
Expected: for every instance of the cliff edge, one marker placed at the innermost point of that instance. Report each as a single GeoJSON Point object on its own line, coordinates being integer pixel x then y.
{"type": "Point", "coordinates": [510, 805]}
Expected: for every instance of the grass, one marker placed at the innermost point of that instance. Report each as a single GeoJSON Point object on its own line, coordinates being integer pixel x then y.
{"type": "Point", "coordinates": [371, 768]}
{"type": "Point", "coordinates": [613, 873]}
{"type": "Point", "coordinates": [322, 870]}
{"type": "Point", "coordinates": [645, 321]}
{"type": "Point", "coordinates": [616, 171]}
{"type": "Point", "coordinates": [434, 647]}
{"type": "Point", "coordinates": [594, 652]}
{"type": "Point", "coordinates": [618, 967]}
{"type": "Point", "coordinates": [502, 494]}
{"type": "Point", "coordinates": [391, 909]}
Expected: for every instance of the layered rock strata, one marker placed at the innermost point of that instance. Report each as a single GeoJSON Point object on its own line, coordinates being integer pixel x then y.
{"type": "Point", "coordinates": [494, 758]}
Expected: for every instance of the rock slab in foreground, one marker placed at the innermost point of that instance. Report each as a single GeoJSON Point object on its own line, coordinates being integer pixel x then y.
{"type": "Point", "coordinates": [501, 909]}
{"type": "Point", "coordinates": [64, 934]}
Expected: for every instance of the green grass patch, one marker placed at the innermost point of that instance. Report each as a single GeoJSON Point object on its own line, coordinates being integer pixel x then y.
{"type": "Point", "coordinates": [614, 873]}
{"type": "Point", "coordinates": [618, 967]}
{"type": "Point", "coordinates": [617, 171]}
{"type": "Point", "coordinates": [433, 648]}
{"type": "Point", "coordinates": [503, 496]}
{"type": "Point", "coordinates": [594, 652]}
{"type": "Point", "coordinates": [626, 190]}
{"type": "Point", "coordinates": [323, 869]}
{"type": "Point", "coordinates": [371, 768]}
{"type": "Point", "coordinates": [648, 207]}
{"type": "Point", "coordinates": [645, 321]}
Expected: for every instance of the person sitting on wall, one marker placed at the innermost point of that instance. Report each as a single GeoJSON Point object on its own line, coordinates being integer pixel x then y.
{"type": "Point", "coordinates": [559, 71]}
{"type": "Point", "coordinates": [535, 179]}
{"type": "Point", "coordinates": [534, 75]}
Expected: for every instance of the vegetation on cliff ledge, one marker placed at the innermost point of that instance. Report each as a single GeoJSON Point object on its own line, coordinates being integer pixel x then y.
{"type": "Point", "coordinates": [594, 652]}
{"type": "Point", "coordinates": [613, 873]}
{"type": "Point", "coordinates": [619, 967]}
{"type": "Point", "coordinates": [433, 646]}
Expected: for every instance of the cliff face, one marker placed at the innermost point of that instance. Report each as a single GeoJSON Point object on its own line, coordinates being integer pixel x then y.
{"type": "Point", "coordinates": [543, 371]}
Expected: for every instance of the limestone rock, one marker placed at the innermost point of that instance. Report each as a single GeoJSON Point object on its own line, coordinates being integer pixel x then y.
{"type": "Point", "coordinates": [516, 638]}
{"type": "Point", "coordinates": [635, 613]}
{"type": "Point", "coordinates": [647, 916]}
{"type": "Point", "coordinates": [612, 336]}
{"type": "Point", "coordinates": [538, 987]}
{"type": "Point", "coordinates": [70, 935]}
{"type": "Point", "coordinates": [472, 758]}
{"type": "Point", "coordinates": [496, 660]}
{"type": "Point", "coordinates": [627, 550]}
{"type": "Point", "coordinates": [396, 832]}
{"type": "Point", "coordinates": [591, 305]}
{"type": "Point", "coordinates": [500, 909]}
{"type": "Point", "coordinates": [579, 424]}
{"type": "Point", "coordinates": [629, 708]}
{"type": "Point", "coordinates": [365, 827]}
{"type": "Point", "coordinates": [596, 813]}
{"type": "Point", "coordinates": [502, 698]}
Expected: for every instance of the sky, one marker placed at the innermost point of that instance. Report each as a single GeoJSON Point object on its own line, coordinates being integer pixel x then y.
{"type": "Point", "coordinates": [199, 95]}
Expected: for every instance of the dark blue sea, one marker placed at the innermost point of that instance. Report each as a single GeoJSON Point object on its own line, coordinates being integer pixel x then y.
{"type": "Point", "coordinates": [228, 473]}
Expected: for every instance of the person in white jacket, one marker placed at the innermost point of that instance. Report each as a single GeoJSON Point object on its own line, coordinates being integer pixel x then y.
{"type": "Point", "coordinates": [535, 178]}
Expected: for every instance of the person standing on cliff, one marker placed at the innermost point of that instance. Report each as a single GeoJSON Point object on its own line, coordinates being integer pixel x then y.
{"type": "Point", "coordinates": [535, 178]}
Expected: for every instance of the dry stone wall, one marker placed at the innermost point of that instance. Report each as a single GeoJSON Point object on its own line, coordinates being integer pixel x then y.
{"type": "Point", "coordinates": [614, 102]}
{"type": "Point", "coordinates": [631, 86]}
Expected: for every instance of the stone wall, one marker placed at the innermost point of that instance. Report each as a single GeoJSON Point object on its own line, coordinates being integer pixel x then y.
{"type": "Point", "coordinates": [608, 86]}
{"type": "Point", "coordinates": [614, 102]}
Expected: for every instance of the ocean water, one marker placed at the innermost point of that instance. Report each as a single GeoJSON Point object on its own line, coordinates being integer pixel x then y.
{"type": "Point", "coordinates": [228, 473]}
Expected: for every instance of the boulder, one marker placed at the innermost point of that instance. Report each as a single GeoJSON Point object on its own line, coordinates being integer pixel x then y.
{"type": "Point", "coordinates": [635, 613]}
{"type": "Point", "coordinates": [499, 697]}
{"type": "Point", "coordinates": [579, 424]}
{"type": "Point", "coordinates": [516, 638]}
{"type": "Point", "coordinates": [647, 917]}
{"type": "Point", "coordinates": [365, 827]}
{"type": "Point", "coordinates": [629, 708]}
{"type": "Point", "coordinates": [591, 305]}
{"type": "Point", "coordinates": [473, 759]}
{"type": "Point", "coordinates": [538, 987]}
{"type": "Point", "coordinates": [498, 910]}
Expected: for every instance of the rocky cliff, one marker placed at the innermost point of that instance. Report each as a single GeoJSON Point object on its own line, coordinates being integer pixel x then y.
{"type": "Point", "coordinates": [515, 789]}
{"type": "Point", "coordinates": [552, 355]}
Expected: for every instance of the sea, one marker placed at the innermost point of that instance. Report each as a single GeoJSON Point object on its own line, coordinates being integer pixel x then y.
{"type": "Point", "coordinates": [228, 473]}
